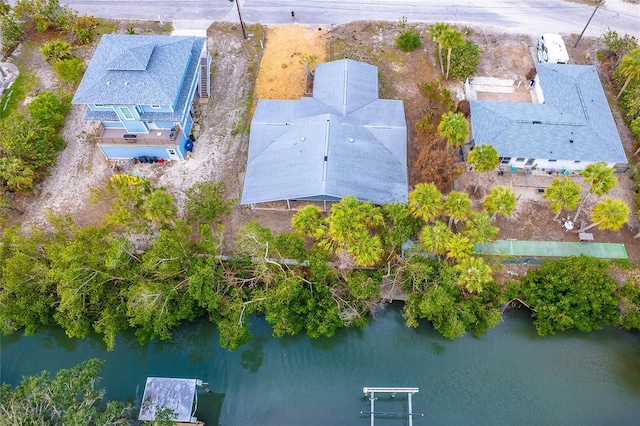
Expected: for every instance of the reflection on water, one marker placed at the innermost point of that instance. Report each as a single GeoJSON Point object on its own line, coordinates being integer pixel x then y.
{"type": "Point", "coordinates": [510, 375]}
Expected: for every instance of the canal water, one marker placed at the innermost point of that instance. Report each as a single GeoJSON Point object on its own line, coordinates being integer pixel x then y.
{"type": "Point", "coordinates": [508, 376]}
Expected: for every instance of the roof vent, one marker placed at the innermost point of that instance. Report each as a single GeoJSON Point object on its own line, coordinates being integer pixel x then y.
{"type": "Point", "coordinates": [351, 140]}
{"type": "Point", "coordinates": [570, 140]}
{"type": "Point", "coordinates": [302, 139]}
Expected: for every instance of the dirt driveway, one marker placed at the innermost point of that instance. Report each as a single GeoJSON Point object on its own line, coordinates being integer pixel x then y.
{"type": "Point", "coordinates": [243, 73]}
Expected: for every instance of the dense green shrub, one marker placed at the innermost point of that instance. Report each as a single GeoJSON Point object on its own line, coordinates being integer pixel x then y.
{"type": "Point", "coordinates": [70, 70]}
{"type": "Point", "coordinates": [12, 30]}
{"type": "Point", "coordinates": [49, 109]}
{"type": "Point", "coordinates": [56, 50]}
{"type": "Point", "coordinates": [574, 292]}
{"type": "Point", "coordinates": [464, 60]}
{"type": "Point", "coordinates": [408, 40]}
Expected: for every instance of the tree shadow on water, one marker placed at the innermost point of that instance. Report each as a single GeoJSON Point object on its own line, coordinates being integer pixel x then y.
{"type": "Point", "coordinates": [253, 354]}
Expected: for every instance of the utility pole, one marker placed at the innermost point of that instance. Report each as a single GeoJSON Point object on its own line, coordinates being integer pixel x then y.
{"type": "Point", "coordinates": [244, 33]}
{"type": "Point", "coordinates": [589, 21]}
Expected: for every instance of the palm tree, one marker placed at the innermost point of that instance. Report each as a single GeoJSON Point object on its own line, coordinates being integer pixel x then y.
{"type": "Point", "coordinates": [450, 39]}
{"type": "Point", "coordinates": [309, 222]}
{"type": "Point", "coordinates": [454, 128]}
{"type": "Point", "coordinates": [349, 217]}
{"type": "Point", "coordinates": [366, 250]}
{"type": "Point", "coordinates": [459, 247]}
{"type": "Point", "coordinates": [610, 214]}
{"type": "Point", "coordinates": [501, 200]}
{"type": "Point", "coordinates": [483, 158]}
{"type": "Point", "coordinates": [457, 206]}
{"type": "Point", "coordinates": [474, 274]}
{"type": "Point", "coordinates": [479, 228]}
{"type": "Point", "coordinates": [435, 32]}
{"type": "Point", "coordinates": [434, 238]}
{"type": "Point", "coordinates": [601, 180]}
{"type": "Point", "coordinates": [425, 201]}
{"type": "Point", "coordinates": [630, 68]}
{"type": "Point", "coordinates": [563, 193]}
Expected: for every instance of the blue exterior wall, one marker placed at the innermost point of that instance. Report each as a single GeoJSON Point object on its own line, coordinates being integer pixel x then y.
{"type": "Point", "coordinates": [134, 125]}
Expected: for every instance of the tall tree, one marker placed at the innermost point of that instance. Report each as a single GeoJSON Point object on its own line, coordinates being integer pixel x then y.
{"type": "Point", "coordinates": [501, 200]}
{"type": "Point", "coordinates": [479, 228]}
{"type": "Point", "coordinates": [474, 274]}
{"type": "Point", "coordinates": [629, 68]}
{"type": "Point", "coordinates": [309, 222]}
{"type": "Point", "coordinates": [483, 158]}
{"type": "Point", "coordinates": [451, 39]}
{"type": "Point", "coordinates": [435, 32]}
{"type": "Point", "coordinates": [351, 226]}
{"type": "Point", "coordinates": [425, 201]}
{"type": "Point", "coordinates": [610, 214]}
{"type": "Point", "coordinates": [459, 247]}
{"type": "Point", "coordinates": [601, 180]}
{"type": "Point", "coordinates": [563, 193]}
{"type": "Point", "coordinates": [574, 292]}
{"type": "Point", "coordinates": [454, 128]}
{"type": "Point", "coordinates": [457, 206]}
{"type": "Point", "coordinates": [434, 238]}
{"type": "Point", "coordinates": [71, 398]}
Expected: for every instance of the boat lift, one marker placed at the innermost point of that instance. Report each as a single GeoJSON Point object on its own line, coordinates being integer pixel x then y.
{"type": "Point", "coordinates": [370, 392]}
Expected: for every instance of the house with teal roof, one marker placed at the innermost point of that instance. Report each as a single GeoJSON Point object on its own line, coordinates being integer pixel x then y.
{"type": "Point", "coordinates": [141, 88]}
{"type": "Point", "coordinates": [344, 140]}
{"type": "Point", "coordinates": [569, 126]}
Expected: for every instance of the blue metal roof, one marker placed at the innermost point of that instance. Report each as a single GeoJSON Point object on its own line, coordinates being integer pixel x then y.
{"type": "Point", "coordinates": [139, 70]}
{"type": "Point", "coordinates": [574, 123]}
{"type": "Point", "coordinates": [343, 141]}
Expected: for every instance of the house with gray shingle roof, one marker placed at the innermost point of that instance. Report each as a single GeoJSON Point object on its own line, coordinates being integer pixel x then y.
{"type": "Point", "coordinates": [141, 89]}
{"type": "Point", "coordinates": [341, 141]}
{"type": "Point", "coordinates": [570, 127]}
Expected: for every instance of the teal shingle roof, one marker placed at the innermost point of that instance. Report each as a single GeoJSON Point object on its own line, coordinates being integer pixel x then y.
{"type": "Point", "coordinates": [139, 70]}
{"type": "Point", "coordinates": [343, 141]}
{"type": "Point", "coordinates": [574, 123]}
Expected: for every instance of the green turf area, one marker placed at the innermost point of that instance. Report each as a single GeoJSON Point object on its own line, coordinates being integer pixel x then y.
{"type": "Point", "coordinates": [552, 249]}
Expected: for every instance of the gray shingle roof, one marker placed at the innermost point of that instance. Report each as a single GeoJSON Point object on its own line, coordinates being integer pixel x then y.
{"type": "Point", "coordinates": [343, 141]}
{"type": "Point", "coordinates": [139, 70]}
{"type": "Point", "coordinates": [575, 109]}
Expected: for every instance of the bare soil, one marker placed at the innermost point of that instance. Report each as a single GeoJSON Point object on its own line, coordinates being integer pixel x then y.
{"type": "Point", "coordinates": [243, 73]}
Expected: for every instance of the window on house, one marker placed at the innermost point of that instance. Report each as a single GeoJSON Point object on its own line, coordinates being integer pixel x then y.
{"type": "Point", "coordinates": [519, 160]}
{"type": "Point", "coordinates": [126, 112]}
{"type": "Point", "coordinates": [577, 161]}
{"type": "Point", "coordinates": [156, 106]}
{"type": "Point", "coordinates": [505, 160]}
{"type": "Point", "coordinates": [552, 161]}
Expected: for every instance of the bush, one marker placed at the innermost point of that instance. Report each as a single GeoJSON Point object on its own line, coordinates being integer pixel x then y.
{"type": "Point", "coordinates": [49, 109]}
{"type": "Point", "coordinates": [409, 40]}
{"type": "Point", "coordinates": [464, 60]}
{"type": "Point", "coordinates": [70, 70]}
{"type": "Point", "coordinates": [12, 30]}
{"type": "Point", "coordinates": [56, 50]}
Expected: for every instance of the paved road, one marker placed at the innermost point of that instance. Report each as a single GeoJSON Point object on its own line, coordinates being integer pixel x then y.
{"type": "Point", "coordinates": [516, 16]}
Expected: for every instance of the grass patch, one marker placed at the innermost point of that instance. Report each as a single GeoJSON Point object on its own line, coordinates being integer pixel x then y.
{"type": "Point", "coordinates": [247, 104]}
{"type": "Point", "coordinates": [25, 83]}
{"type": "Point", "coordinates": [105, 26]}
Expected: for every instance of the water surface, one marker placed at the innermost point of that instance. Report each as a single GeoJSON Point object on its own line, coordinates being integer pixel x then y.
{"type": "Point", "coordinates": [508, 376]}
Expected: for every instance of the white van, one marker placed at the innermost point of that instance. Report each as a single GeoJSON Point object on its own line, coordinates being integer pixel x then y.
{"type": "Point", "coordinates": [551, 49]}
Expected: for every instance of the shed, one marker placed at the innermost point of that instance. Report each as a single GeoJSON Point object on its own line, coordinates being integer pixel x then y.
{"type": "Point", "coordinates": [178, 395]}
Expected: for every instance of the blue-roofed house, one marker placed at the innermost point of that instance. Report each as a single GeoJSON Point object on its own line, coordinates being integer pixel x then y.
{"type": "Point", "coordinates": [568, 128]}
{"type": "Point", "coordinates": [341, 141]}
{"type": "Point", "coordinates": [141, 89]}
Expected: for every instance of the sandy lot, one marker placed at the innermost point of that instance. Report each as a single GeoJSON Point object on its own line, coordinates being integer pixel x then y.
{"type": "Point", "coordinates": [220, 151]}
